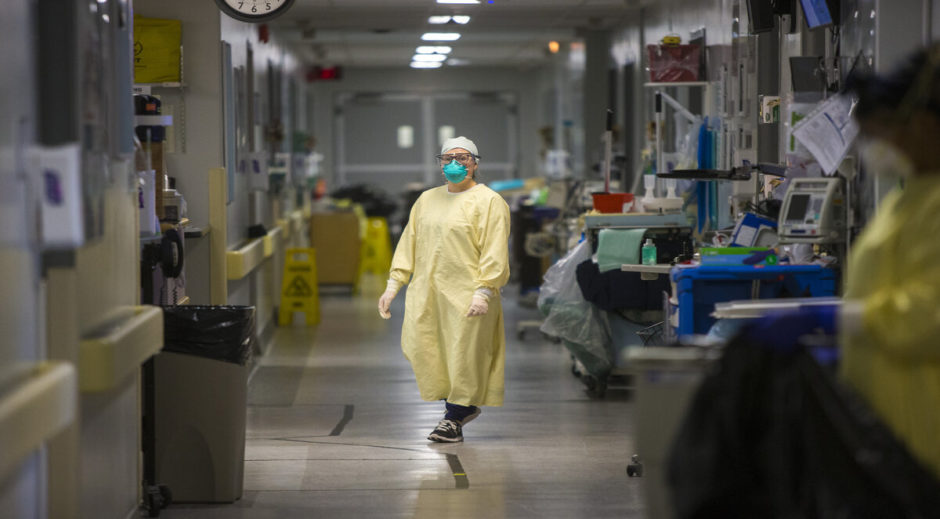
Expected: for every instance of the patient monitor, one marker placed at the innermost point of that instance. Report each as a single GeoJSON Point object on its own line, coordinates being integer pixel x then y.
{"type": "Point", "coordinates": [813, 211]}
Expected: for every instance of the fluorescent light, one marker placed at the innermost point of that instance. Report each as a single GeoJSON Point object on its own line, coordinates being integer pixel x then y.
{"type": "Point", "coordinates": [428, 57]}
{"type": "Point", "coordinates": [462, 19]}
{"type": "Point", "coordinates": [426, 64]}
{"type": "Point", "coordinates": [433, 49]}
{"type": "Point", "coordinates": [445, 133]}
{"type": "Point", "coordinates": [406, 137]}
{"type": "Point", "coordinates": [458, 1]}
{"type": "Point", "coordinates": [440, 36]}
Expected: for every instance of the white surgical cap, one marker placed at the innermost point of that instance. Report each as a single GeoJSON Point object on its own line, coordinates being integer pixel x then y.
{"type": "Point", "coordinates": [459, 142]}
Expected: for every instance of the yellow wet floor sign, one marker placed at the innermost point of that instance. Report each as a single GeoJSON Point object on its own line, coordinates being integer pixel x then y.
{"type": "Point", "coordinates": [299, 291]}
{"type": "Point", "coordinates": [376, 254]}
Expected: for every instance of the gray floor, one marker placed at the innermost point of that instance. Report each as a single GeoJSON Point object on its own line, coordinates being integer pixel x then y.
{"type": "Point", "coordinates": [336, 429]}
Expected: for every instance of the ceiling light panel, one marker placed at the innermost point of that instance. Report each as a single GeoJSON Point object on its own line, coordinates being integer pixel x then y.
{"type": "Point", "coordinates": [429, 57]}
{"type": "Point", "coordinates": [426, 64]}
{"type": "Point", "coordinates": [458, 1]}
{"type": "Point", "coordinates": [440, 36]}
{"type": "Point", "coordinates": [433, 49]}
{"type": "Point", "coordinates": [438, 20]}
{"type": "Point", "coordinates": [460, 18]}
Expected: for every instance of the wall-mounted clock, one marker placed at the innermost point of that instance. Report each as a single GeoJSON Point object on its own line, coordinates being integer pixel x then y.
{"type": "Point", "coordinates": [254, 11]}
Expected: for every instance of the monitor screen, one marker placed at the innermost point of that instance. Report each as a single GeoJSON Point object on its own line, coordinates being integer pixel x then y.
{"type": "Point", "coordinates": [807, 74]}
{"type": "Point", "coordinates": [761, 14]}
{"type": "Point", "coordinates": [816, 12]}
{"type": "Point", "coordinates": [798, 206]}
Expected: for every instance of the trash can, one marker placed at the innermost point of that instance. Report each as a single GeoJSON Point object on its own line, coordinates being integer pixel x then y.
{"type": "Point", "coordinates": [199, 401]}
{"type": "Point", "coordinates": [665, 379]}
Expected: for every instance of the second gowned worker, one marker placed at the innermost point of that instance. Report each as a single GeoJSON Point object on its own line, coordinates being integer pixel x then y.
{"type": "Point", "coordinates": [454, 256]}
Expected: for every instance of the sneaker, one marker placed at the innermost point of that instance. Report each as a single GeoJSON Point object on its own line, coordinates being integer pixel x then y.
{"type": "Point", "coordinates": [476, 412]}
{"type": "Point", "coordinates": [447, 431]}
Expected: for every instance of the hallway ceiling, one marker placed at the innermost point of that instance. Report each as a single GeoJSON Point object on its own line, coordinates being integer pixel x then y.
{"type": "Point", "coordinates": [382, 33]}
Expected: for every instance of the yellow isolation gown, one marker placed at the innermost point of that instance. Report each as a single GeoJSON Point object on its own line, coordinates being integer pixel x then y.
{"type": "Point", "coordinates": [893, 358]}
{"type": "Point", "coordinates": [455, 243]}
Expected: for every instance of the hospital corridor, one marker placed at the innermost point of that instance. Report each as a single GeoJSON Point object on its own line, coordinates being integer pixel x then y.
{"type": "Point", "coordinates": [336, 429]}
{"type": "Point", "coordinates": [470, 259]}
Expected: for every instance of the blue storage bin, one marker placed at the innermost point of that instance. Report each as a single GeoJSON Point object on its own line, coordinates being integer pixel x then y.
{"type": "Point", "coordinates": [697, 289]}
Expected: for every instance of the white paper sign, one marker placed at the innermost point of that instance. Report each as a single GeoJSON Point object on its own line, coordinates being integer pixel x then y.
{"type": "Point", "coordinates": [828, 131]}
{"type": "Point", "coordinates": [61, 194]}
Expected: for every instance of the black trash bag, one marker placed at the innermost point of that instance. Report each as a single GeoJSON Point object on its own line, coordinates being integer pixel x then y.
{"type": "Point", "coordinates": [773, 435]}
{"type": "Point", "coordinates": [617, 290]}
{"type": "Point", "coordinates": [375, 202]}
{"type": "Point", "coordinates": [225, 333]}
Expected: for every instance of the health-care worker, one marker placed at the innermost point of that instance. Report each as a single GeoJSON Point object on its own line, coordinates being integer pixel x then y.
{"type": "Point", "coordinates": [454, 255]}
{"type": "Point", "coordinates": [889, 322]}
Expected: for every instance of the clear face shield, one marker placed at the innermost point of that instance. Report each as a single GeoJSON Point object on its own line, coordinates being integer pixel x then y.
{"type": "Point", "coordinates": [881, 157]}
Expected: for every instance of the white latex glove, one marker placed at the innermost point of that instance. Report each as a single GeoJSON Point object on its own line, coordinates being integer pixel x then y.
{"type": "Point", "coordinates": [478, 306]}
{"type": "Point", "coordinates": [391, 288]}
{"type": "Point", "coordinates": [384, 303]}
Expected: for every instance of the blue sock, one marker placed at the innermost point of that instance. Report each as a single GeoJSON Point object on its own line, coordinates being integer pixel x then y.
{"type": "Point", "coordinates": [458, 412]}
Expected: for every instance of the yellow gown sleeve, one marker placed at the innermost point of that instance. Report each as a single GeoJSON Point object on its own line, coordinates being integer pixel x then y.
{"type": "Point", "coordinates": [903, 314]}
{"type": "Point", "coordinates": [403, 262]}
{"type": "Point", "coordinates": [904, 319]}
{"type": "Point", "coordinates": [493, 270]}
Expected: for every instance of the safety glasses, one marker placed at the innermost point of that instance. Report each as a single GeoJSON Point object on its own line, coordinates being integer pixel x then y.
{"type": "Point", "coordinates": [463, 158]}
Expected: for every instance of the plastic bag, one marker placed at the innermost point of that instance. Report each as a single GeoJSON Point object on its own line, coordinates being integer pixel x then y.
{"type": "Point", "coordinates": [225, 333]}
{"type": "Point", "coordinates": [772, 434]}
{"type": "Point", "coordinates": [571, 318]}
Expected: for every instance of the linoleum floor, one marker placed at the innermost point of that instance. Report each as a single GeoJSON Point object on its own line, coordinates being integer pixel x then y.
{"type": "Point", "coordinates": [336, 429]}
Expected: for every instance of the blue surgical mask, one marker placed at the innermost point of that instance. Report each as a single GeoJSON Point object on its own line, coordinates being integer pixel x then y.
{"type": "Point", "coordinates": [455, 172]}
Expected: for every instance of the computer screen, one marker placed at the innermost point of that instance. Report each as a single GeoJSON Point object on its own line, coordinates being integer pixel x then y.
{"type": "Point", "coordinates": [807, 74]}
{"type": "Point", "coordinates": [798, 206]}
{"type": "Point", "coordinates": [761, 14]}
{"type": "Point", "coordinates": [816, 12]}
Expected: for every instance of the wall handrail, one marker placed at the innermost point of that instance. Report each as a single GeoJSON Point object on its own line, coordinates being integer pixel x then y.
{"type": "Point", "coordinates": [36, 410]}
{"type": "Point", "coordinates": [241, 261]}
{"type": "Point", "coordinates": [106, 360]}
{"type": "Point", "coordinates": [273, 234]}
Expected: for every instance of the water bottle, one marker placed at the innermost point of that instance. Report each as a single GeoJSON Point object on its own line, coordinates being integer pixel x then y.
{"type": "Point", "coordinates": [649, 252]}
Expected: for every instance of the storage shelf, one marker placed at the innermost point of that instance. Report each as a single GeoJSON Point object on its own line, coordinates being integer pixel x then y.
{"type": "Point", "coordinates": [754, 309]}
{"type": "Point", "coordinates": [153, 120]}
{"type": "Point", "coordinates": [649, 269]}
{"type": "Point", "coordinates": [677, 84]}
{"type": "Point", "coordinates": [43, 403]}
{"type": "Point", "coordinates": [195, 232]}
{"type": "Point", "coordinates": [168, 84]}
{"type": "Point", "coordinates": [636, 220]}
{"type": "Point", "coordinates": [105, 361]}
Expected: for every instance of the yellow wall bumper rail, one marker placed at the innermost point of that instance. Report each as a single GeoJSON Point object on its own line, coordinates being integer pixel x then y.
{"type": "Point", "coordinates": [105, 361]}
{"type": "Point", "coordinates": [240, 262]}
{"type": "Point", "coordinates": [35, 410]}
{"type": "Point", "coordinates": [270, 240]}
{"type": "Point", "coordinates": [285, 226]}
{"type": "Point", "coordinates": [297, 219]}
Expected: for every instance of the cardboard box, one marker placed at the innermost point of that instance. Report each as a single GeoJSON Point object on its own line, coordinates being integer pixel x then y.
{"type": "Point", "coordinates": [335, 236]}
